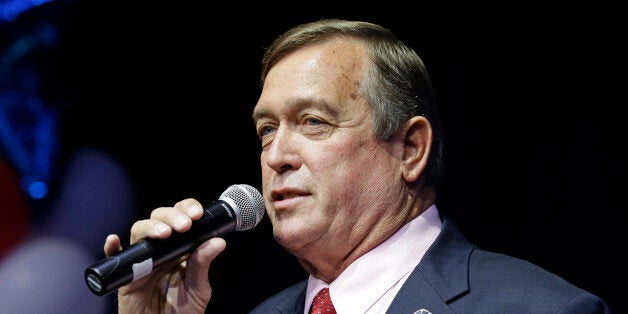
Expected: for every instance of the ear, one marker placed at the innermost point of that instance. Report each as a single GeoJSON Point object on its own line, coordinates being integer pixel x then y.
{"type": "Point", "coordinates": [417, 142]}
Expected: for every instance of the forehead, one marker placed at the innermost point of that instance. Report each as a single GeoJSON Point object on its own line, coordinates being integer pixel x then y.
{"type": "Point", "coordinates": [331, 71]}
{"type": "Point", "coordinates": [342, 57]}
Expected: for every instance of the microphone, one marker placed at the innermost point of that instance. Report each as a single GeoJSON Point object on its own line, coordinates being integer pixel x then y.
{"type": "Point", "coordinates": [239, 207]}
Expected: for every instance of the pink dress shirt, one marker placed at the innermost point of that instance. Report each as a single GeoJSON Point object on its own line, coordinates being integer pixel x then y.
{"type": "Point", "coordinates": [371, 282]}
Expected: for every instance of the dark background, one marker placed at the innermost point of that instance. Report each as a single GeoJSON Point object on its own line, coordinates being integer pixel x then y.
{"type": "Point", "coordinates": [532, 101]}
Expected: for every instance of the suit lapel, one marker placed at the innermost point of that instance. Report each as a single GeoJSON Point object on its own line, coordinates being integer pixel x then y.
{"type": "Point", "coordinates": [441, 276]}
{"type": "Point", "coordinates": [294, 302]}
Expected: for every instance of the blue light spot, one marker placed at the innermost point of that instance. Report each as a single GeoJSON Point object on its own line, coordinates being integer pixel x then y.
{"type": "Point", "coordinates": [38, 189]}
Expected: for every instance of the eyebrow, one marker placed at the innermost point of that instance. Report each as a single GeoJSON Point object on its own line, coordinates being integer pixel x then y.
{"type": "Point", "coordinates": [258, 114]}
{"type": "Point", "coordinates": [317, 103]}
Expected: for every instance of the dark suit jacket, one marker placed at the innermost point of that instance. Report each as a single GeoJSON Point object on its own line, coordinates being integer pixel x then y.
{"type": "Point", "coordinates": [455, 276]}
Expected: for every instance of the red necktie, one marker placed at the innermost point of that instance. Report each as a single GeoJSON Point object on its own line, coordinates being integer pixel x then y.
{"type": "Point", "coordinates": [322, 303]}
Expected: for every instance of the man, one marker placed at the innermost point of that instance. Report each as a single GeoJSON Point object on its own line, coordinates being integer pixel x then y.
{"type": "Point", "coordinates": [351, 156]}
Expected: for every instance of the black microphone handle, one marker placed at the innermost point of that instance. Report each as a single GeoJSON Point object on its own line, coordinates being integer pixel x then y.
{"type": "Point", "coordinates": [141, 258]}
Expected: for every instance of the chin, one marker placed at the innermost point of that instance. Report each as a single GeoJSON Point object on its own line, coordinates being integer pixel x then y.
{"type": "Point", "coordinates": [291, 239]}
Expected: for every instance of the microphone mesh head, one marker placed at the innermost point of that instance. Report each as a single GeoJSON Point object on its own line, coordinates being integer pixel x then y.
{"type": "Point", "coordinates": [249, 205]}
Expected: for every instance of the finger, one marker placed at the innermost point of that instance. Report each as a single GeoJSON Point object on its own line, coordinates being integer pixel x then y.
{"type": "Point", "coordinates": [165, 219]}
{"type": "Point", "coordinates": [191, 207]}
{"type": "Point", "coordinates": [112, 245]}
{"type": "Point", "coordinates": [180, 216]}
{"type": "Point", "coordinates": [199, 262]}
{"type": "Point", "coordinates": [207, 252]}
{"type": "Point", "coordinates": [149, 228]}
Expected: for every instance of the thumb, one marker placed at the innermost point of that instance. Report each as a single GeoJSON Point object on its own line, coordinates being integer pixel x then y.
{"type": "Point", "coordinates": [198, 265]}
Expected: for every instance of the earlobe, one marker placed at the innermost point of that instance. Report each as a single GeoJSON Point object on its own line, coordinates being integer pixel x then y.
{"type": "Point", "coordinates": [417, 142]}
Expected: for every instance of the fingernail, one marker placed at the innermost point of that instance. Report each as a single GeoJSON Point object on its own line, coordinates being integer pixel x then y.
{"type": "Point", "coordinates": [182, 221]}
{"type": "Point", "coordinates": [161, 228]}
{"type": "Point", "coordinates": [195, 210]}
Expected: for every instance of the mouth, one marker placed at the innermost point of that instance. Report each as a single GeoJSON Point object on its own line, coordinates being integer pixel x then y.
{"type": "Point", "coordinates": [287, 193]}
{"type": "Point", "coordinates": [287, 199]}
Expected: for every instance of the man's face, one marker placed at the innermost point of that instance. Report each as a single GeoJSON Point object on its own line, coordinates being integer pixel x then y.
{"type": "Point", "coordinates": [326, 179]}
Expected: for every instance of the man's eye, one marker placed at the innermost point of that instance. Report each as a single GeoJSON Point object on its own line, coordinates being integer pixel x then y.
{"type": "Point", "coordinates": [313, 121]}
{"type": "Point", "coordinates": [266, 130]}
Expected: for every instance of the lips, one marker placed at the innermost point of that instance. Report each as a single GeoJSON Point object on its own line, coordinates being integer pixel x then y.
{"type": "Point", "coordinates": [286, 193]}
{"type": "Point", "coordinates": [286, 199]}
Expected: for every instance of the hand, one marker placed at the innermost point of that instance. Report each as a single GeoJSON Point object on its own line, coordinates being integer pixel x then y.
{"type": "Point", "coordinates": [181, 286]}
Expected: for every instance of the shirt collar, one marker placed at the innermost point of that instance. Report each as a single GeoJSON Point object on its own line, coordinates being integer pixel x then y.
{"type": "Point", "coordinates": [372, 275]}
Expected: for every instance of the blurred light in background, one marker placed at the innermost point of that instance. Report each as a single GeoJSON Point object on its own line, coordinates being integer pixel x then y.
{"type": "Point", "coordinates": [10, 9]}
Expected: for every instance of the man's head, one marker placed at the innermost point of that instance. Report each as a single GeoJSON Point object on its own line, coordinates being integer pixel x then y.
{"type": "Point", "coordinates": [397, 85]}
{"type": "Point", "coordinates": [343, 121]}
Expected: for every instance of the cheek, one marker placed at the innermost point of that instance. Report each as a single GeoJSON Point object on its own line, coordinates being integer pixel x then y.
{"type": "Point", "coordinates": [352, 159]}
{"type": "Point", "coordinates": [266, 175]}
{"type": "Point", "coordinates": [365, 170]}
{"type": "Point", "coordinates": [266, 170]}
{"type": "Point", "coordinates": [343, 168]}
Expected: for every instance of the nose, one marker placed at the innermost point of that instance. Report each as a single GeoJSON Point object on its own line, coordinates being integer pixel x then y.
{"type": "Point", "coordinates": [282, 154]}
